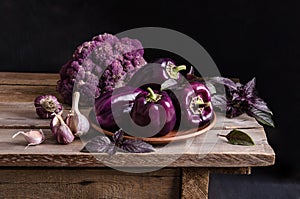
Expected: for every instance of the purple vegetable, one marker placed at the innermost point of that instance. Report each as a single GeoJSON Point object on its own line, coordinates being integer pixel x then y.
{"type": "Point", "coordinates": [98, 65]}
{"type": "Point", "coordinates": [60, 130]}
{"type": "Point", "coordinates": [193, 105]}
{"type": "Point", "coordinates": [46, 105]}
{"type": "Point", "coordinates": [121, 99]}
{"type": "Point", "coordinates": [156, 74]}
{"type": "Point", "coordinates": [155, 110]}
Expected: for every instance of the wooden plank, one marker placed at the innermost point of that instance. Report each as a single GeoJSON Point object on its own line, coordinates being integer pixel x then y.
{"type": "Point", "coordinates": [195, 183]}
{"type": "Point", "coordinates": [18, 93]}
{"type": "Point", "coordinates": [88, 183]}
{"type": "Point", "coordinates": [218, 154]}
{"type": "Point", "coordinates": [23, 115]}
{"type": "Point", "coordinates": [243, 121]}
{"type": "Point", "coordinates": [232, 170]}
{"type": "Point", "coordinates": [12, 78]}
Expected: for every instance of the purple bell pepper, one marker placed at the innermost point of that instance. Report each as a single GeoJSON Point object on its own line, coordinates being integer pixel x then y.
{"type": "Point", "coordinates": [121, 99]}
{"type": "Point", "coordinates": [156, 74]}
{"type": "Point", "coordinates": [193, 105]}
{"type": "Point", "coordinates": [155, 110]}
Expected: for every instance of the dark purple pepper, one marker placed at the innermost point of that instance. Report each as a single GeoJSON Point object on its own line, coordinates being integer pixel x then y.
{"type": "Point", "coordinates": [156, 73]}
{"type": "Point", "coordinates": [193, 105]}
{"type": "Point", "coordinates": [156, 111]}
{"type": "Point", "coordinates": [121, 99]}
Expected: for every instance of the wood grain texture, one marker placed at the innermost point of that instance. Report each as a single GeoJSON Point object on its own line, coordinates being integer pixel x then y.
{"type": "Point", "coordinates": [88, 183]}
{"type": "Point", "coordinates": [22, 115]}
{"type": "Point", "coordinates": [19, 93]}
{"type": "Point", "coordinates": [195, 183]}
{"type": "Point", "coordinates": [232, 170]}
{"type": "Point", "coordinates": [46, 79]}
{"type": "Point", "coordinates": [211, 153]}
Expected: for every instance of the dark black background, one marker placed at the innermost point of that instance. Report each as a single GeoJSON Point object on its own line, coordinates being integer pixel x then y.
{"type": "Point", "coordinates": [245, 38]}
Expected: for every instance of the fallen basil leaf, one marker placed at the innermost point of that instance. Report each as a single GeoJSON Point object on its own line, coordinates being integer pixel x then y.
{"type": "Point", "coordinates": [99, 144]}
{"type": "Point", "coordinates": [136, 146]}
{"type": "Point", "coordinates": [238, 137]}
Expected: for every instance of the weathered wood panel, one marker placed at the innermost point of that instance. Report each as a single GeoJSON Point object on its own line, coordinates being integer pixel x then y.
{"type": "Point", "coordinates": [214, 154]}
{"type": "Point", "coordinates": [12, 78]}
{"type": "Point", "coordinates": [22, 115]}
{"type": "Point", "coordinates": [88, 183]}
{"type": "Point", "coordinates": [195, 183]}
{"type": "Point", "coordinates": [19, 93]}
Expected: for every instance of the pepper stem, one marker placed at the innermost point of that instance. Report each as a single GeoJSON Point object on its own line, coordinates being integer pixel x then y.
{"type": "Point", "coordinates": [172, 70]}
{"type": "Point", "coordinates": [202, 104]}
{"type": "Point", "coordinates": [179, 68]}
{"type": "Point", "coordinates": [152, 97]}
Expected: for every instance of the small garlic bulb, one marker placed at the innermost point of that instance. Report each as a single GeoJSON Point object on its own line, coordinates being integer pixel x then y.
{"type": "Point", "coordinates": [77, 122]}
{"type": "Point", "coordinates": [33, 137]}
{"type": "Point", "coordinates": [46, 105]}
{"type": "Point", "coordinates": [60, 131]}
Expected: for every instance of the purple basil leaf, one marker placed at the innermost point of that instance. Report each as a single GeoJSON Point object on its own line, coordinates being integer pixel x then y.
{"type": "Point", "coordinates": [136, 146]}
{"type": "Point", "coordinates": [225, 81]}
{"type": "Point", "coordinates": [99, 144]}
{"type": "Point", "coordinates": [219, 101]}
{"type": "Point", "coordinates": [118, 137]}
{"type": "Point", "coordinates": [232, 111]}
{"type": "Point", "coordinates": [249, 88]}
{"type": "Point", "coordinates": [261, 116]}
{"type": "Point", "coordinates": [261, 105]}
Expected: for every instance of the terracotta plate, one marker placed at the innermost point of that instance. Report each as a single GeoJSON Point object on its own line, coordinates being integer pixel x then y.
{"type": "Point", "coordinates": [170, 137]}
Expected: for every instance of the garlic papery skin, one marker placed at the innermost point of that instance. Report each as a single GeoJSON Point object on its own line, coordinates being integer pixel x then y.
{"type": "Point", "coordinates": [76, 121]}
{"type": "Point", "coordinates": [33, 137]}
{"type": "Point", "coordinates": [60, 131]}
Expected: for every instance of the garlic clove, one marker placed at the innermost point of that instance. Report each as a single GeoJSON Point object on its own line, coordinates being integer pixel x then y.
{"type": "Point", "coordinates": [60, 131]}
{"type": "Point", "coordinates": [76, 121]}
{"type": "Point", "coordinates": [33, 137]}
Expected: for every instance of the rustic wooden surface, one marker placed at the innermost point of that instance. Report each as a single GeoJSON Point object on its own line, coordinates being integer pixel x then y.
{"type": "Point", "coordinates": [68, 172]}
{"type": "Point", "coordinates": [17, 112]}
{"type": "Point", "coordinates": [88, 183]}
{"type": "Point", "coordinates": [195, 183]}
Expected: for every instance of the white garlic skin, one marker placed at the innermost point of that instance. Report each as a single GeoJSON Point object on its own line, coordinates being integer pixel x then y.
{"type": "Point", "coordinates": [76, 121]}
{"type": "Point", "coordinates": [60, 131]}
{"type": "Point", "coordinates": [33, 137]}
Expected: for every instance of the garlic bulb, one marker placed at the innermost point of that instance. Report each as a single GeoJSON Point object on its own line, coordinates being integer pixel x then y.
{"type": "Point", "coordinates": [60, 131]}
{"type": "Point", "coordinates": [33, 137]}
{"type": "Point", "coordinates": [77, 122]}
{"type": "Point", "coordinates": [45, 105]}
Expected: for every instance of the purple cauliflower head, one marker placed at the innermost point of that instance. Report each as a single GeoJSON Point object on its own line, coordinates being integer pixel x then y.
{"type": "Point", "coordinates": [98, 66]}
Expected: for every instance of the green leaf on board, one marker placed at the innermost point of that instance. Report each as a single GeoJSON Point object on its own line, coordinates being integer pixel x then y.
{"type": "Point", "coordinates": [238, 137]}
